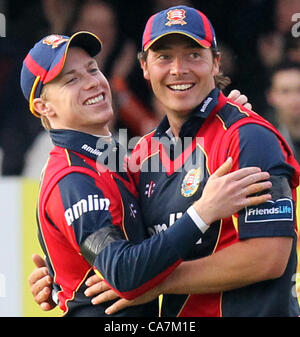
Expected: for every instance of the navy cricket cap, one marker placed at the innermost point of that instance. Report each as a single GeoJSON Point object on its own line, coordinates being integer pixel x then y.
{"type": "Point", "coordinates": [180, 20]}
{"type": "Point", "coordinates": [46, 60]}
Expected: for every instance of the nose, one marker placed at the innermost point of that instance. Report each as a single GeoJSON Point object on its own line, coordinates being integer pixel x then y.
{"type": "Point", "coordinates": [90, 81]}
{"type": "Point", "coordinates": [178, 67]}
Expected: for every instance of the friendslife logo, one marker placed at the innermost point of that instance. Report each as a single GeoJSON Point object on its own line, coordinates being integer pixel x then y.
{"type": "Point", "coordinates": [282, 209]}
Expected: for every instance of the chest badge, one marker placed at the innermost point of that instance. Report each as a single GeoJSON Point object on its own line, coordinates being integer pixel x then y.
{"type": "Point", "coordinates": [191, 182]}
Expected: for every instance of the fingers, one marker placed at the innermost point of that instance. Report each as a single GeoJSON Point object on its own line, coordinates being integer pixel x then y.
{"type": "Point", "coordinates": [247, 175]}
{"type": "Point", "coordinates": [117, 306]}
{"type": "Point", "coordinates": [92, 280]}
{"type": "Point", "coordinates": [242, 99]}
{"type": "Point", "coordinates": [252, 178]}
{"type": "Point", "coordinates": [96, 288]}
{"type": "Point", "coordinates": [43, 295]}
{"type": "Point", "coordinates": [257, 188]}
{"type": "Point", "coordinates": [234, 94]}
{"type": "Point", "coordinates": [108, 295]}
{"type": "Point", "coordinates": [41, 291]}
{"type": "Point", "coordinates": [39, 274]}
{"type": "Point", "coordinates": [224, 168]}
{"type": "Point", "coordinates": [237, 97]}
{"type": "Point", "coordinates": [38, 260]}
{"type": "Point", "coordinates": [248, 106]}
{"type": "Point", "coordinates": [46, 306]}
{"type": "Point", "coordinates": [257, 200]}
{"type": "Point", "coordinates": [40, 284]}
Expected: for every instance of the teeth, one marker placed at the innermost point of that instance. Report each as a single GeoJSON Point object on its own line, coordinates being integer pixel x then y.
{"type": "Point", "coordinates": [94, 100]}
{"type": "Point", "coordinates": [181, 87]}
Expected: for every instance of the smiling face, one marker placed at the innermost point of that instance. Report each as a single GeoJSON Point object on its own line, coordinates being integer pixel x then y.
{"type": "Point", "coordinates": [79, 98]}
{"type": "Point", "coordinates": [181, 73]}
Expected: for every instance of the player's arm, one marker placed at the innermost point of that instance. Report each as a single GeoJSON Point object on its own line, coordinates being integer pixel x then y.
{"type": "Point", "coordinates": [225, 193]}
{"type": "Point", "coordinates": [265, 243]}
{"type": "Point", "coordinates": [225, 270]}
{"type": "Point", "coordinates": [233, 267]}
{"type": "Point", "coordinates": [266, 235]}
{"type": "Point", "coordinates": [223, 196]}
{"type": "Point", "coordinates": [94, 232]}
{"type": "Point", "coordinates": [93, 235]}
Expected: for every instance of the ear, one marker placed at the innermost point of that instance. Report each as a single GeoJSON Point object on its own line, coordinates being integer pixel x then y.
{"type": "Point", "coordinates": [42, 107]}
{"type": "Point", "coordinates": [143, 64]}
{"type": "Point", "coordinates": [216, 64]}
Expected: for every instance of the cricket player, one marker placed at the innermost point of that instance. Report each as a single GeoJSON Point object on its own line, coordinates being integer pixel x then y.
{"type": "Point", "coordinates": [248, 264]}
{"type": "Point", "coordinates": [87, 209]}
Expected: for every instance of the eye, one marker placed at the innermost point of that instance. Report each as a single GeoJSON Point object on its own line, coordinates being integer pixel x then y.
{"type": "Point", "coordinates": [195, 55]}
{"type": "Point", "coordinates": [71, 80]}
{"type": "Point", "coordinates": [163, 57]}
{"type": "Point", "coordinates": [94, 70]}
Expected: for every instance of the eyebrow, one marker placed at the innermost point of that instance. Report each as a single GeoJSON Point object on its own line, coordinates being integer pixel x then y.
{"type": "Point", "coordinates": [72, 71]}
{"type": "Point", "coordinates": [168, 46]}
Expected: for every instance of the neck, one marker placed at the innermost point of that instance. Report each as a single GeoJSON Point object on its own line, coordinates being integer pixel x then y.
{"type": "Point", "coordinates": [97, 132]}
{"type": "Point", "coordinates": [177, 119]}
{"type": "Point", "coordinates": [176, 124]}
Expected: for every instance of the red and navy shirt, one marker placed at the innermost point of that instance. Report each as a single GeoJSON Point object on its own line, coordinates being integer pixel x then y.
{"type": "Point", "coordinates": [170, 176]}
{"type": "Point", "coordinates": [85, 189]}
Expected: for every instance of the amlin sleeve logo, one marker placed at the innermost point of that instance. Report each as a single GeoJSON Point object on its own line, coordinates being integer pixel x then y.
{"type": "Point", "coordinates": [281, 209]}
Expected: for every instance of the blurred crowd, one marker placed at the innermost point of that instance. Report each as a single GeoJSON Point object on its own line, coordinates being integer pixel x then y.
{"type": "Point", "coordinates": [259, 53]}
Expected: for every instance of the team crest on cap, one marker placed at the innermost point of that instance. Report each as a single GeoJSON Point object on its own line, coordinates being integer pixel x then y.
{"type": "Point", "coordinates": [176, 17]}
{"type": "Point", "coordinates": [191, 182]}
{"type": "Point", "coordinates": [54, 40]}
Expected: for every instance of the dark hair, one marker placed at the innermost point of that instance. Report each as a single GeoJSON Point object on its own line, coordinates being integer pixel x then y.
{"type": "Point", "coordinates": [221, 81]}
{"type": "Point", "coordinates": [283, 66]}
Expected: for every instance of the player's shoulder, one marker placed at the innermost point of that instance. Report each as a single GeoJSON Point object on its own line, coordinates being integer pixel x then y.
{"type": "Point", "coordinates": [67, 168]}
{"type": "Point", "coordinates": [146, 138]}
{"type": "Point", "coordinates": [145, 146]}
{"type": "Point", "coordinates": [236, 117]}
{"type": "Point", "coordinates": [232, 112]}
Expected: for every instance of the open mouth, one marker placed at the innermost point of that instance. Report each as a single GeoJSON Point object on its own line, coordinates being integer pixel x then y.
{"type": "Point", "coordinates": [180, 87]}
{"type": "Point", "coordinates": [94, 100]}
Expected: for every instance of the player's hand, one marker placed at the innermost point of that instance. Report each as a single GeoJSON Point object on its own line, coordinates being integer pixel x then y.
{"type": "Point", "coordinates": [236, 96]}
{"type": "Point", "coordinates": [40, 284]}
{"type": "Point", "coordinates": [227, 193]}
{"type": "Point", "coordinates": [96, 287]}
{"type": "Point", "coordinates": [103, 293]}
{"type": "Point", "coordinates": [123, 303]}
